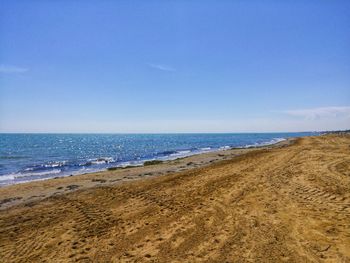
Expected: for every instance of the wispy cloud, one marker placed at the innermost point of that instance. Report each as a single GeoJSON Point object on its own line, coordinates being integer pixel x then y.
{"type": "Point", "coordinates": [162, 67]}
{"type": "Point", "coordinates": [12, 69]}
{"type": "Point", "coordinates": [322, 112]}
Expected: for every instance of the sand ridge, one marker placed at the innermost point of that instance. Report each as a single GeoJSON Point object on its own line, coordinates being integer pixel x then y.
{"type": "Point", "coordinates": [287, 204]}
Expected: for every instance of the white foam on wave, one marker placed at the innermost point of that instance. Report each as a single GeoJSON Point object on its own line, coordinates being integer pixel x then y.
{"type": "Point", "coordinates": [131, 163]}
{"type": "Point", "coordinates": [55, 164]}
{"type": "Point", "coordinates": [205, 149]}
{"type": "Point", "coordinates": [225, 147]}
{"type": "Point", "coordinates": [180, 153]}
{"type": "Point", "coordinates": [101, 160]}
{"type": "Point", "coordinates": [273, 141]}
{"type": "Point", "coordinates": [14, 176]}
{"type": "Point", "coordinates": [7, 177]}
{"type": "Point", "coordinates": [21, 175]}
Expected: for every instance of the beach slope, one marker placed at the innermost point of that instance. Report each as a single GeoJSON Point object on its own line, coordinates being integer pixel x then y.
{"type": "Point", "coordinates": [285, 204]}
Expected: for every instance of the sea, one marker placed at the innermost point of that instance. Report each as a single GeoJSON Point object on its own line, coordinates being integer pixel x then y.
{"type": "Point", "coordinates": [28, 157]}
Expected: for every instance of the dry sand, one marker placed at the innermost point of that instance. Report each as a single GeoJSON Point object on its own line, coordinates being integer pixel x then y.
{"type": "Point", "coordinates": [276, 204]}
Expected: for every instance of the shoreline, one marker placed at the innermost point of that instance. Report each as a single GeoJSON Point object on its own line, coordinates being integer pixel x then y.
{"type": "Point", "coordinates": [284, 203]}
{"type": "Point", "coordinates": [35, 190]}
{"type": "Point", "coordinates": [89, 166]}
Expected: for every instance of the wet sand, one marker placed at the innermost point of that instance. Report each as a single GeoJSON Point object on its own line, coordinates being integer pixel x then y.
{"type": "Point", "coordinates": [284, 203]}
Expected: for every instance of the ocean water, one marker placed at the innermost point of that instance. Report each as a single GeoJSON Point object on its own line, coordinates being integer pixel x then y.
{"type": "Point", "coordinates": [27, 157]}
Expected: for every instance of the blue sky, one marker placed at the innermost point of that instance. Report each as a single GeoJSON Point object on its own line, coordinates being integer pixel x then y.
{"type": "Point", "coordinates": [174, 66]}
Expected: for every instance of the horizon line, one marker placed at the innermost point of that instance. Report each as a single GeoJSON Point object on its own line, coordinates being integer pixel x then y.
{"type": "Point", "coordinates": [122, 133]}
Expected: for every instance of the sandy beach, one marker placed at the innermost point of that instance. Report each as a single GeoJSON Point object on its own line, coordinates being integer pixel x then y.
{"type": "Point", "coordinates": [288, 202]}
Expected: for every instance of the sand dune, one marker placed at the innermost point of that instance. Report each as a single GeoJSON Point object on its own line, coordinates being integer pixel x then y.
{"type": "Point", "coordinates": [289, 204]}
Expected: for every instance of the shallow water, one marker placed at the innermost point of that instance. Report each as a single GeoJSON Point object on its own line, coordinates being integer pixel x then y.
{"type": "Point", "coordinates": [26, 157]}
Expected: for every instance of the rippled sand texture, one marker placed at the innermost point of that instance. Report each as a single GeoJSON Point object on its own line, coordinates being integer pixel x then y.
{"type": "Point", "coordinates": [287, 204]}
